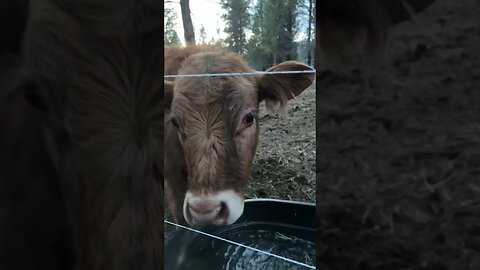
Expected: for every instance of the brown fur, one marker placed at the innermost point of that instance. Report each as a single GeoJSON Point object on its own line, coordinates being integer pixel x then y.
{"type": "Point", "coordinates": [175, 55]}
{"type": "Point", "coordinates": [206, 153]}
{"type": "Point", "coordinates": [81, 184]}
{"type": "Point", "coordinates": [120, 18]}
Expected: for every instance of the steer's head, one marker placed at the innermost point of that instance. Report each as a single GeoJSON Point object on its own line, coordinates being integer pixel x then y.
{"type": "Point", "coordinates": [216, 120]}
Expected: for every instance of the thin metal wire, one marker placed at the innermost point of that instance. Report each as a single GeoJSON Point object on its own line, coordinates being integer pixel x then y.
{"type": "Point", "coordinates": [241, 73]}
{"type": "Point", "coordinates": [241, 245]}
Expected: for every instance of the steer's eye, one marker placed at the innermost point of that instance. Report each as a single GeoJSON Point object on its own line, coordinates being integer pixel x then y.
{"type": "Point", "coordinates": [248, 119]}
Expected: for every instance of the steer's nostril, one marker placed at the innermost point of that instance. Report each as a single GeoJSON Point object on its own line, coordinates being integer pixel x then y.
{"type": "Point", "coordinates": [214, 210]}
{"type": "Point", "coordinates": [207, 212]}
{"type": "Point", "coordinates": [223, 213]}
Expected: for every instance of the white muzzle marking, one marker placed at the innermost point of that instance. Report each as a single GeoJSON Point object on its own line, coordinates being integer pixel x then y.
{"type": "Point", "coordinates": [219, 208]}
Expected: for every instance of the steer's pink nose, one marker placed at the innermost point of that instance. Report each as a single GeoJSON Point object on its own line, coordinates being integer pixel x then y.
{"type": "Point", "coordinates": [206, 212]}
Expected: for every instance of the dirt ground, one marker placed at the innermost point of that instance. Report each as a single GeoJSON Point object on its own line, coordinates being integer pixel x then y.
{"type": "Point", "coordinates": [284, 165]}
{"type": "Point", "coordinates": [398, 167]}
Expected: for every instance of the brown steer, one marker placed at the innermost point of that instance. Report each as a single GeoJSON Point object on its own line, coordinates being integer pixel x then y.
{"type": "Point", "coordinates": [211, 130]}
{"type": "Point", "coordinates": [81, 135]}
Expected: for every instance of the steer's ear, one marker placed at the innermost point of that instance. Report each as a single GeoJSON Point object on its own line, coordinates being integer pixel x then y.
{"type": "Point", "coordinates": [278, 89]}
{"type": "Point", "coordinates": [168, 94]}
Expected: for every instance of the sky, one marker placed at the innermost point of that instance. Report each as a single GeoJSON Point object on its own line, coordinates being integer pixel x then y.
{"type": "Point", "coordinates": [207, 13]}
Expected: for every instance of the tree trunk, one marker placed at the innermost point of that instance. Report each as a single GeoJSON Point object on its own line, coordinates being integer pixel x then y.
{"type": "Point", "coordinates": [187, 22]}
{"type": "Point", "coordinates": [309, 33]}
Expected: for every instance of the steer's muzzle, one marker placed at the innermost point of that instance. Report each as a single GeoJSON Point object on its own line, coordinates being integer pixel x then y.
{"type": "Point", "coordinates": [221, 208]}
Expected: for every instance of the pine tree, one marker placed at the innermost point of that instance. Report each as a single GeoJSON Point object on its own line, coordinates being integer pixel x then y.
{"type": "Point", "coordinates": [203, 35]}
{"type": "Point", "coordinates": [259, 48]}
{"type": "Point", "coordinates": [237, 21]}
{"type": "Point", "coordinates": [170, 36]}
{"type": "Point", "coordinates": [273, 32]}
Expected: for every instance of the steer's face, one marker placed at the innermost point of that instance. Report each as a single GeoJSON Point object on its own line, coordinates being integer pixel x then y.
{"type": "Point", "coordinates": [217, 126]}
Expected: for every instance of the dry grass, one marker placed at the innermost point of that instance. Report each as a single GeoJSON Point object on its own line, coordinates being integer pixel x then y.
{"type": "Point", "coordinates": [284, 166]}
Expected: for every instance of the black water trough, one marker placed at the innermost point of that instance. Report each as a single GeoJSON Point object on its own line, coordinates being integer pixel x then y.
{"type": "Point", "coordinates": [283, 228]}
